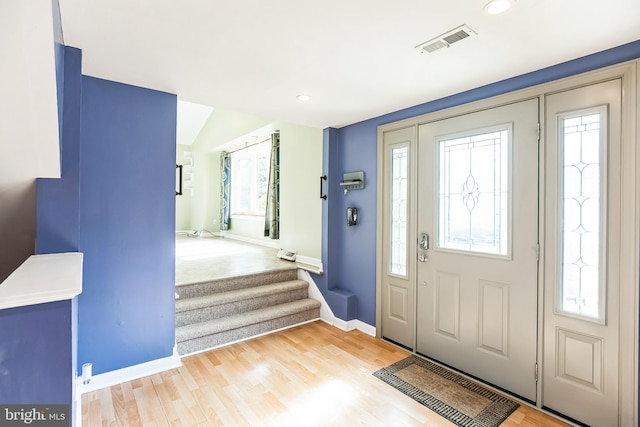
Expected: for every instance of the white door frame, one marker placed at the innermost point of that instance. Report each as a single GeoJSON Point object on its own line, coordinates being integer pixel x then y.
{"type": "Point", "coordinates": [629, 72]}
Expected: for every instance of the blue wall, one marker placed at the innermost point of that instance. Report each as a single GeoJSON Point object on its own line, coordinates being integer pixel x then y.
{"type": "Point", "coordinates": [354, 148]}
{"type": "Point", "coordinates": [343, 302]}
{"type": "Point", "coordinates": [36, 354]}
{"type": "Point", "coordinates": [127, 221]}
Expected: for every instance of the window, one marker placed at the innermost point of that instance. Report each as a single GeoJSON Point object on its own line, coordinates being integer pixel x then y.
{"type": "Point", "coordinates": [583, 151]}
{"type": "Point", "coordinates": [249, 178]}
{"type": "Point", "coordinates": [398, 223]}
{"type": "Point", "coordinates": [473, 194]}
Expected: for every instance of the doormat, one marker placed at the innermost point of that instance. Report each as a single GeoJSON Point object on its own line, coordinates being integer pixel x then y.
{"type": "Point", "coordinates": [461, 401]}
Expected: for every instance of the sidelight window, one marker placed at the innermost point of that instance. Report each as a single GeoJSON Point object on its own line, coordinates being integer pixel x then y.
{"type": "Point", "coordinates": [399, 193]}
{"type": "Point", "coordinates": [583, 153]}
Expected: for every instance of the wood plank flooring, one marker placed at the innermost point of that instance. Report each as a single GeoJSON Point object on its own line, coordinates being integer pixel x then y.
{"type": "Point", "coordinates": [309, 375]}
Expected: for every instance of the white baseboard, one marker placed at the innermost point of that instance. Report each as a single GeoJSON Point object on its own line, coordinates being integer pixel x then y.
{"type": "Point", "coordinates": [350, 325]}
{"type": "Point", "coordinates": [308, 263]}
{"type": "Point", "coordinates": [198, 233]}
{"type": "Point", "coordinates": [326, 314]}
{"type": "Point", "coordinates": [78, 414]}
{"type": "Point", "coordinates": [130, 373]}
{"type": "Point", "coordinates": [268, 243]}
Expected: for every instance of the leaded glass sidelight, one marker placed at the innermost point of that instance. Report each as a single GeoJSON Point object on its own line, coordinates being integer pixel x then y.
{"type": "Point", "coordinates": [399, 192]}
{"type": "Point", "coordinates": [582, 144]}
{"type": "Point", "coordinates": [473, 192]}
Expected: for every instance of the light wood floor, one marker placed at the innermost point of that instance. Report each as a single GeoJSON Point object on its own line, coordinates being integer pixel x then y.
{"type": "Point", "coordinates": [309, 375]}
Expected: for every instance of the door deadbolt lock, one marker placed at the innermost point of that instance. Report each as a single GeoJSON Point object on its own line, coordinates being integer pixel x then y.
{"type": "Point", "coordinates": [423, 241]}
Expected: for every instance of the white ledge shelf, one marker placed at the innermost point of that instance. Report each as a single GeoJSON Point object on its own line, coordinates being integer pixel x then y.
{"type": "Point", "coordinates": [43, 278]}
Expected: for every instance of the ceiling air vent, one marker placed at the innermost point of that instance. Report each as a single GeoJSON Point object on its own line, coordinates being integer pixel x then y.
{"type": "Point", "coordinates": [446, 39]}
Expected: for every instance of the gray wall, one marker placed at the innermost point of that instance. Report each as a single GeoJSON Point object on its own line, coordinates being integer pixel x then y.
{"type": "Point", "coordinates": [28, 122]}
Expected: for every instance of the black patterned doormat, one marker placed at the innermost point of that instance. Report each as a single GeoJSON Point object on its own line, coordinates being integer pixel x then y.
{"type": "Point", "coordinates": [458, 399]}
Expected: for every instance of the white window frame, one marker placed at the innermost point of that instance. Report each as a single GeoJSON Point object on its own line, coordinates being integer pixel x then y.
{"type": "Point", "coordinates": [251, 153]}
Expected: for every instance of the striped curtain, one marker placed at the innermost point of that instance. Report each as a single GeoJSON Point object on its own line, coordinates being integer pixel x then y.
{"type": "Point", "coordinates": [272, 215]}
{"type": "Point", "coordinates": [225, 159]}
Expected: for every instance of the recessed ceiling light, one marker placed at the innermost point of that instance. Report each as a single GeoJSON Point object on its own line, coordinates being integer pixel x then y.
{"type": "Point", "coordinates": [497, 7]}
{"type": "Point", "coordinates": [303, 97]}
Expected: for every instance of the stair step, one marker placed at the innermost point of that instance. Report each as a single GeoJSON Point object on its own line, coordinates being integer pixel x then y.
{"type": "Point", "coordinates": [222, 304]}
{"type": "Point", "coordinates": [199, 336]}
{"type": "Point", "coordinates": [194, 290]}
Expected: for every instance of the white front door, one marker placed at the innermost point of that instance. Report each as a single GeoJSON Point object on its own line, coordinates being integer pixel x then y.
{"type": "Point", "coordinates": [477, 275]}
{"type": "Point", "coordinates": [582, 253]}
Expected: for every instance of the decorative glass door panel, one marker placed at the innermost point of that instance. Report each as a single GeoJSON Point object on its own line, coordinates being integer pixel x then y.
{"type": "Point", "coordinates": [398, 217]}
{"type": "Point", "coordinates": [582, 142]}
{"type": "Point", "coordinates": [473, 192]}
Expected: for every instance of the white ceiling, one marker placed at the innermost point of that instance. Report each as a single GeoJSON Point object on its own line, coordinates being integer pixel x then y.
{"type": "Point", "coordinates": [356, 58]}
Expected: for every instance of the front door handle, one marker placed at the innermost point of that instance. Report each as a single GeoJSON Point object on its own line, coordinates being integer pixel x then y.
{"type": "Point", "coordinates": [423, 241]}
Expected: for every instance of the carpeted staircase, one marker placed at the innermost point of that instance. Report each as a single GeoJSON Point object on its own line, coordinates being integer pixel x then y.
{"type": "Point", "coordinates": [221, 311]}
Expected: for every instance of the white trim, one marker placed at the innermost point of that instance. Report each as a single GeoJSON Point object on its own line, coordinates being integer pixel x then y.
{"type": "Point", "coordinates": [541, 247]}
{"type": "Point", "coordinates": [78, 408]}
{"type": "Point", "coordinates": [326, 313]}
{"type": "Point", "coordinates": [350, 325]}
{"type": "Point", "coordinates": [184, 231]}
{"type": "Point", "coordinates": [635, 136]}
{"type": "Point", "coordinates": [43, 278]}
{"type": "Point", "coordinates": [268, 243]}
{"type": "Point", "coordinates": [197, 233]}
{"type": "Point", "coordinates": [129, 373]}
{"type": "Point", "coordinates": [629, 246]}
{"type": "Point", "coordinates": [313, 265]}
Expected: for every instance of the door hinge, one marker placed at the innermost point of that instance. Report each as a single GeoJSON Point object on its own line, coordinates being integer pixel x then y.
{"type": "Point", "coordinates": [536, 372]}
{"type": "Point", "coordinates": [538, 131]}
{"type": "Point", "coordinates": [538, 252]}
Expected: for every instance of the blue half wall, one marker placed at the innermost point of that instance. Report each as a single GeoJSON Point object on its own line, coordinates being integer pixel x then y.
{"type": "Point", "coordinates": [127, 222]}
{"type": "Point", "coordinates": [36, 354]}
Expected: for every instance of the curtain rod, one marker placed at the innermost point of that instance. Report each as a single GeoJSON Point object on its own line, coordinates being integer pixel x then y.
{"type": "Point", "coordinates": [249, 145]}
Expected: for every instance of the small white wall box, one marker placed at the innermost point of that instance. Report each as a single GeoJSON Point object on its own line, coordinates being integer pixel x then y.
{"type": "Point", "coordinates": [352, 181]}
{"type": "Point", "coordinates": [287, 255]}
{"type": "Point", "coordinates": [87, 369]}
